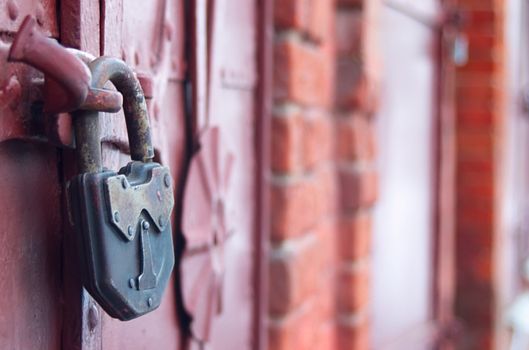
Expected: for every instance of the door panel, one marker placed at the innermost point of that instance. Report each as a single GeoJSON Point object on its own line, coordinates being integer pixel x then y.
{"type": "Point", "coordinates": [30, 243]}
{"type": "Point", "coordinates": [13, 13]}
{"type": "Point", "coordinates": [224, 263]}
{"type": "Point", "coordinates": [30, 199]}
{"type": "Point", "coordinates": [45, 304]}
{"type": "Point", "coordinates": [402, 255]}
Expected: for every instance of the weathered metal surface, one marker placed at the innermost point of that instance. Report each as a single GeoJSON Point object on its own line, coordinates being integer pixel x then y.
{"type": "Point", "coordinates": [86, 123]}
{"type": "Point", "coordinates": [154, 197]}
{"type": "Point", "coordinates": [82, 321]}
{"type": "Point", "coordinates": [206, 227]}
{"type": "Point", "coordinates": [230, 267]}
{"type": "Point", "coordinates": [199, 18]}
{"type": "Point", "coordinates": [13, 12]}
{"type": "Point", "coordinates": [30, 247]}
{"type": "Point", "coordinates": [19, 119]}
{"type": "Point", "coordinates": [66, 87]}
{"type": "Point", "coordinates": [64, 69]}
{"type": "Point", "coordinates": [134, 106]}
{"type": "Point", "coordinates": [102, 100]}
{"type": "Point", "coordinates": [100, 208]}
{"type": "Point", "coordinates": [126, 276]}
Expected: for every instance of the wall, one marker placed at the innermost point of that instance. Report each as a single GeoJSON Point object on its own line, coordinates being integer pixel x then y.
{"type": "Point", "coordinates": [480, 117]}
{"type": "Point", "coordinates": [323, 182]}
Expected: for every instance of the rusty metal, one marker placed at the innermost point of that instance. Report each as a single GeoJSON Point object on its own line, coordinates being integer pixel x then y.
{"type": "Point", "coordinates": [102, 100]}
{"type": "Point", "coordinates": [67, 77]}
{"type": "Point", "coordinates": [106, 69]}
{"type": "Point", "coordinates": [86, 123]}
{"type": "Point", "coordinates": [13, 12]}
{"type": "Point", "coordinates": [66, 71]}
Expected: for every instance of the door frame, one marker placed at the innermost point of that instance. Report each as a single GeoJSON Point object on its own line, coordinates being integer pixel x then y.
{"type": "Point", "coordinates": [263, 113]}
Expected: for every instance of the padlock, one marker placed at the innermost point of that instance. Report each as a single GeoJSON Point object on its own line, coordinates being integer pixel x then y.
{"type": "Point", "coordinates": [122, 220]}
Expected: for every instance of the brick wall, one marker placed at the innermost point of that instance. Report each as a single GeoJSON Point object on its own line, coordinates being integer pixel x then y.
{"type": "Point", "coordinates": [479, 108]}
{"type": "Point", "coordinates": [356, 149]}
{"type": "Point", "coordinates": [323, 182]}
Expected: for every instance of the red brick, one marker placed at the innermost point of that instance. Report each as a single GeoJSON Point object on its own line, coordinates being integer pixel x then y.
{"type": "Point", "coordinates": [356, 138]}
{"type": "Point", "coordinates": [473, 171]}
{"type": "Point", "coordinates": [480, 40]}
{"type": "Point", "coordinates": [295, 331]}
{"type": "Point", "coordinates": [359, 188]}
{"type": "Point", "coordinates": [327, 237]}
{"type": "Point", "coordinates": [355, 88]}
{"type": "Point", "coordinates": [325, 189]}
{"type": "Point", "coordinates": [477, 5]}
{"type": "Point", "coordinates": [320, 20]}
{"type": "Point", "coordinates": [355, 236]}
{"type": "Point", "coordinates": [349, 32]}
{"type": "Point", "coordinates": [479, 219]}
{"type": "Point", "coordinates": [475, 120]}
{"type": "Point", "coordinates": [359, 4]}
{"type": "Point", "coordinates": [310, 17]}
{"type": "Point", "coordinates": [475, 145]}
{"type": "Point", "coordinates": [351, 88]}
{"type": "Point", "coordinates": [294, 207]}
{"type": "Point", "coordinates": [353, 336]}
{"type": "Point", "coordinates": [326, 295]}
{"type": "Point", "coordinates": [483, 16]}
{"type": "Point", "coordinates": [290, 13]}
{"type": "Point", "coordinates": [475, 190]}
{"type": "Point", "coordinates": [286, 144]}
{"type": "Point", "coordinates": [294, 273]}
{"type": "Point", "coordinates": [484, 54]}
{"type": "Point", "coordinates": [475, 166]}
{"type": "Point", "coordinates": [474, 305]}
{"type": "Point", "coordinates": [476, 338]}
{"type": "Point", "coordinates": [353, 288]}
{"type": "Point", "coordinates": [475, 262]}
{"type": "Point", "coordinates": [476, 105]}
{"type": "Point", "coordinates": [325, 336]}
{"type": "Point", "coordinates": [472, 79]}
{"type": "Point", "coordinates": [482, 66]}
{"type": "Point", "coordinates": [476, 93]}
{"type": "Point", "coordinates": [301, 74]}
{"type": "Point", "coordinates": [317, 139]}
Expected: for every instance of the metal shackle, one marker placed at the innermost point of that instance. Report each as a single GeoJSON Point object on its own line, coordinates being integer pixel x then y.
{"type": "Point", "coordinates": [86, 123]}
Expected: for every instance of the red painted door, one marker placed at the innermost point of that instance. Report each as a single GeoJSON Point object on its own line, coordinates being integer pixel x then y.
{"type": "Point", "coordinates": [403, 251]}
{"type": "Point", "coordinates": [30, 201]}
{"type": "Point", "coordinates": [198, 67]}
{"type": "Point", "coordinates": [219, 222]}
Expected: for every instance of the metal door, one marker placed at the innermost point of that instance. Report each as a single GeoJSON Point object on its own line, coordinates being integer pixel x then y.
{"type": "Point", "coordinates": [30, 200]}
{"type": "Point", "coordinates": [197, 62]}
{"type": "Point", "coordinates": [403, 255]}
{"type": "Point", "coordinates": [219, 210]}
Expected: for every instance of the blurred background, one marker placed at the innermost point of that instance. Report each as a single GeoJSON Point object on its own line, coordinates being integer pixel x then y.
{"type": "Point", "coordinates": [402, 126]}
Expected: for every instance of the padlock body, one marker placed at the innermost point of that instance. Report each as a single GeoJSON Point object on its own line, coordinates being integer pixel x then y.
{"type": "Point", "coordinates": [123, 234]}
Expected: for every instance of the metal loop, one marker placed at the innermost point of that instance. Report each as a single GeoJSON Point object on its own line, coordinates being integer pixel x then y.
{"type": "Point", "coordinates": [86, 123]}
